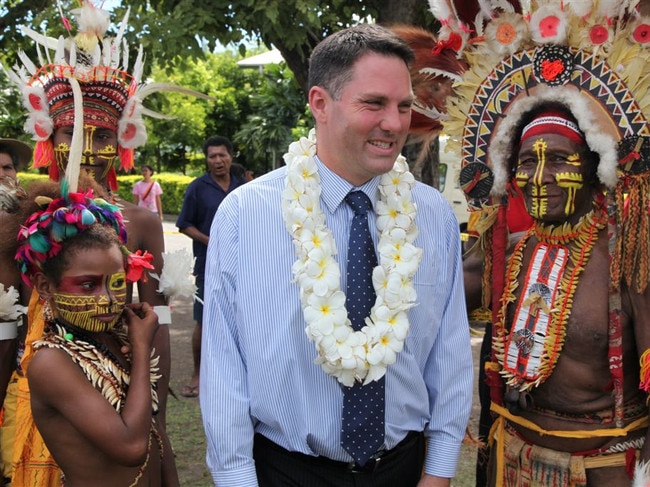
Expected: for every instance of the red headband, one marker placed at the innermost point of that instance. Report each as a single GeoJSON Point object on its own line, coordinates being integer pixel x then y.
{"type": "Point", "coordinates": [553, 122]}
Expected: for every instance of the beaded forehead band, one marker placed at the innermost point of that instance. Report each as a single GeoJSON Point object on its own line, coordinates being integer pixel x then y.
{"type": "Point", "coordinates": [555, 123]}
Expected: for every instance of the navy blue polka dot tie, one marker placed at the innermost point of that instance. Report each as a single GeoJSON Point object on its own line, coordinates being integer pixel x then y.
{"type": "Point", "coordinates": [362, 431]}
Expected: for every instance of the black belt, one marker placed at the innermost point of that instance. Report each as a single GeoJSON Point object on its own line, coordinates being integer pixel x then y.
{"type": "Point", "coordinates": [370, 466]}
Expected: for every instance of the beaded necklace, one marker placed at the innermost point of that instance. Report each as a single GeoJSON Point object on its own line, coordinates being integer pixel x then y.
{"type": "Point", "coordinates": [528, 351]}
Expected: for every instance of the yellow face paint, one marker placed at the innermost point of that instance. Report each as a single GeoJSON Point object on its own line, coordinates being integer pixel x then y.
{"type": "Point", "coordinates": [521, 179]}
{"type": "Point", "coordinates": [94, 312]}
{"type": "Point", "coordinates": [539, 191]}
{"type": "Point", "coordinates": [572, 182]}
{"type": "Point", "coordinates": [574, 160]}
{"type": "Point", "coordinates": [103, 157]}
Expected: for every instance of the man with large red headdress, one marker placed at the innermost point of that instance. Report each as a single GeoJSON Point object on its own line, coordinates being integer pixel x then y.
{"type": "Point", "coordinates": [555, 103]}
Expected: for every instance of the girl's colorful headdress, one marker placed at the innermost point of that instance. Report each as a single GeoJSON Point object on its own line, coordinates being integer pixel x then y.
{"type": "Point", "coordinates": [41, 237]}
{"type": "Point", "coordinates": [85, 77]}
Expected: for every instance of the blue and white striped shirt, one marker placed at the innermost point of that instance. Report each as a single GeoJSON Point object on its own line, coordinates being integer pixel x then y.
{"type": "Point", "coordinates": [257, 370]}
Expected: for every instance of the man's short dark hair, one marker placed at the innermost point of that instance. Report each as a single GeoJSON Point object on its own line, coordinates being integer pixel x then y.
{"type": "Point", "coordinates": [218, 140]}
{"type": "Point", "coordinates": [331, 62]}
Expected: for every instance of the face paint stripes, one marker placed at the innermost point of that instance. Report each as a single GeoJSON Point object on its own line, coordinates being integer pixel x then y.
{"type": "Point", "coordinates": [97, 312]}
{"type": "Point", "coordinates": [103, 157]}
{"type": "Point", "coordinates": [572, 182]}
{"type": "Point", "coordinates": [539, 190]}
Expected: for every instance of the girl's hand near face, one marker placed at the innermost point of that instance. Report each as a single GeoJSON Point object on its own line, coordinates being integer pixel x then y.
{"type": "Point", "coordinates": [142, 324]}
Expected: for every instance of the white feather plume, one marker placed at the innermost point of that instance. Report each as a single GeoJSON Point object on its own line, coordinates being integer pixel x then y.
{"type": "Point", "coordinates": [440, 9]}
{"type": "Point", "coordinates": [175, 280]}
{"type": "Point", "coordinates": [73, 55]}
{"type": "Point", "coordinates": [580, 7]}
{"type": "Point", "coordinates": [607, 8]}
{"type": "Point", "coordinates": [39, 55]}
{"type": "Point", "coordinates": [641, 474]}
{"type": "Point", "coordinates": [17, 74]}
{"type": "Point", "coordinates": [29, 65]}
{"type": "Point", "coordinates": [125, 54]}
{"type": "Point", "coordinates": [485, 8]}
{"type": "Point", "coordinates": [59, 55]}
{"type": "Point", "coordinates": [43, 40]}
{"type": "Point", "coordinates": [504, 5]}
{"type": "Point", "coordinates": [138, 65]}
{"type": "Point", "coordinates": [106, 47]}
{"type": "Point", "coordinates": [9, 309]}
{"type": "Point", "coordinates": [76, 145]}
{"type": "Point", "coordinates": [123, 26]}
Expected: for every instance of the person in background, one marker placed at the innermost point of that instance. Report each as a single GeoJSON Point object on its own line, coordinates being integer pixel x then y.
{"type": "Point", "coordinates": [147, 192]}
{"type": "Point", "coordinates": [202, 199]}
{"type": "Point", "coordinates": [14, 157]}
{"type": "Point", "coordinates": [238, 170]}
{"type": "Point", "coordinates": [302, 381]}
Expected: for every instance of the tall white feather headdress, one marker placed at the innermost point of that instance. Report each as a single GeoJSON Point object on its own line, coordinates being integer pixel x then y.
{"type": "Point", "coordinates": [70, 70]}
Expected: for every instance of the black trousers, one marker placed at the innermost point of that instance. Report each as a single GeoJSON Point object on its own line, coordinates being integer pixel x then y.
{"type": "Point", "coordinates": [278, 467]}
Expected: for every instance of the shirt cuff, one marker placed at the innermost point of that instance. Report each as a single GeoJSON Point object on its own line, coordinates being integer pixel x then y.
{"type": "Point", "coordinates": [442, 458]}
{"type": "Point", "coordinates": [243, 477]}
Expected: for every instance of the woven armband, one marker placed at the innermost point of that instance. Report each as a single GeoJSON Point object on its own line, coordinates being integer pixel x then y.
{"type": "Point", "coordinates": [645, 371]}
{"type": "Point", "coordinates": [164, 315]}
{"type": "Point", "coordinates": [9, 329]}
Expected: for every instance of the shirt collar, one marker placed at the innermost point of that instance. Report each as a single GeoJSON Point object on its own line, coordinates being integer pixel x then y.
{"type": "Point", "coordinates": [334, 188]}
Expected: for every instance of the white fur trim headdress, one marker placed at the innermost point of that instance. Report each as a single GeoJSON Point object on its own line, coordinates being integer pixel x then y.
{"type": "Point", "coordinates": [589, 56]}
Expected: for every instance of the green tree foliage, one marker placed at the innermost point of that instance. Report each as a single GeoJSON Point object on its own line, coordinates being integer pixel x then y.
{"type": "Point", "coordinates": [258, 112]}
{"type": "Point", "coordinates": [278, 107]}
{"type": "Point", "coordinates": [175, 29]}
{"type": "Point", "coordinates": [172, 143]}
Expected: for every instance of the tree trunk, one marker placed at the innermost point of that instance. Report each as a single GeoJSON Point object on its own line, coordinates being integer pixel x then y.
{"type": "Point", "coordinates": [402, 12]}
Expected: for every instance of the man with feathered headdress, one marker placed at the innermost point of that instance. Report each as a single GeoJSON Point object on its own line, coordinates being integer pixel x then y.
{"type": "Point", "coordinates": [85, 112]}
{"type": "Point", "coordinates": [556, 103]}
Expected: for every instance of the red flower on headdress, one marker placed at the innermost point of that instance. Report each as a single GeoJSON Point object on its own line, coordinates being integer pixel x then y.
{"type": "Point", "coordinates": [552, 69]}
{"type": "Point", "coordinates": [137, 262]}
{"type": "Point", "coordinates": [548, 26]}
{"type": "Point", "coordinates": [599, 34]}
{"type": "Point", "coordinates": [641, 33]}
{"type": "Point", "coordinates": [455, 42]}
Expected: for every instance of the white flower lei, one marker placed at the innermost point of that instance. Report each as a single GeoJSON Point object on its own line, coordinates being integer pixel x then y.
{"type": "Point", "coordinates": [344, 353]}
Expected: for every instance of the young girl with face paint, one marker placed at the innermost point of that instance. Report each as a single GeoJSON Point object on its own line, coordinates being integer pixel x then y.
{"type": "Point", "coordinates": [93, 375]}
